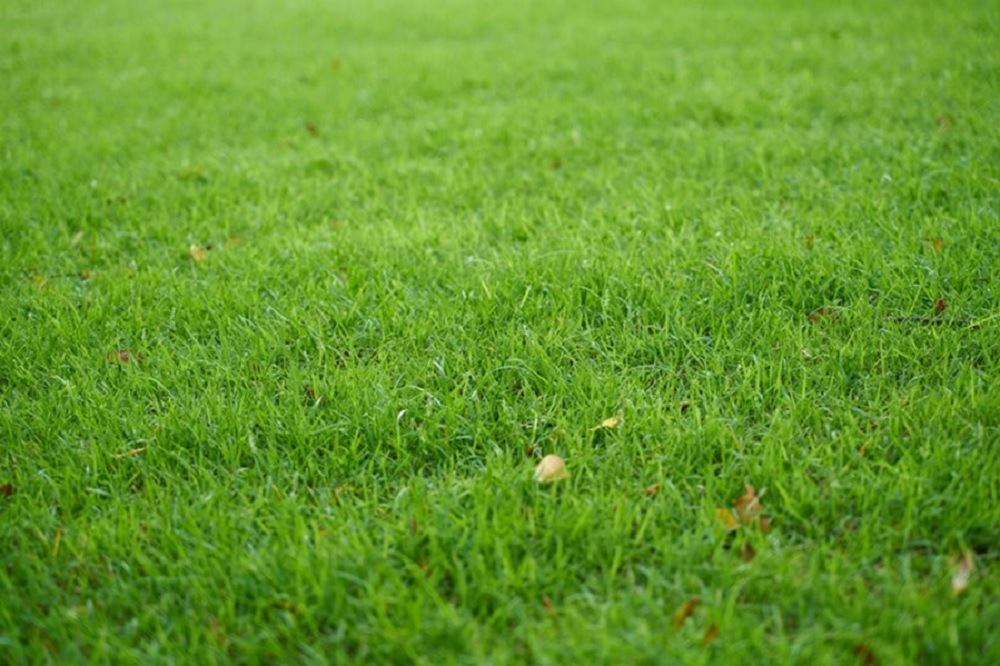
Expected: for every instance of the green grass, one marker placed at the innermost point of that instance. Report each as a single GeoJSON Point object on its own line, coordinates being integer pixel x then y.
{"type": "Point", "coordinates": [445, 232]}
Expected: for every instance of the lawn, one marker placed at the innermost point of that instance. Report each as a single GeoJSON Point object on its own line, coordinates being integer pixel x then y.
{"type": "Point", "coordinates": [294, 297]}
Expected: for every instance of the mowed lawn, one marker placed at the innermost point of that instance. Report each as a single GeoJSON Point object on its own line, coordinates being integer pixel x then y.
{"type": "Point", "coordinates": [294, 297]}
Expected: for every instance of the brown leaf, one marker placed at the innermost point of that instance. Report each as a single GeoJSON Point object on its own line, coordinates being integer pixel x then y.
{"type": "Point", "coordinates": [551, 469]}
{"type": "Point", "coordinates": [936, 244]}
{"type": "Point", "coordinates": [652, 490]}
{"type": "Point", "coordinates": [197, 253]}
{"type": "Point", "coordinates": [310, 393]}
{"type": "Point", "coordinates": [726, 519]}
{"type": "Point", "coordinates": [747, 553]}
{"type": "Point", "coordinates": [530, 449]}
{"type": "Point", "coordinates": [85, 275]}
{"type": "Point", "coordinates": [550, 607]}
{"type": "Point", "coordinates": [710, 635]}
{"type": "Point", "coordinates": [865, 655]}
{"type": "Point", "coordinates": [940, 305]}
{"type": "Point", "coordinates": [825, 312]}
{"type": "Point", "coordinates": [216, 631]}
{"type": "Point", "coordinates": [311, 128]}
{"type": "Point", "coordinates": [129, 453]}
{"type": "Point", "coordinates": [684, 612]}
{"type": "Point", "coordinates": [747, 505]}
{"type": "Point", "coordinates": [961, 573]}
{"type": "Point", "coordinates": [7, 490]}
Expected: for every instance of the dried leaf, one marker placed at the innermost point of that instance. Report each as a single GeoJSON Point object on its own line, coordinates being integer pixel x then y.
{"type": "Point", "coordinates": [825, 312]}
{"type": "Point", "coordinates": [130, 453]}
{"type": "Point", "coordinates": [85, 275]}
{"type": "Point", "coordinates": [937, 244]}
{"type": "Point", "coordinates": [684, 612]}
{"type": "Point", "coordinates": [216, 631]}
{"type": "Point", "coordinates": [940, 305]}
{"type": "Point", "coordinates": [726, 519]}
{"type": "Point", "coordinates": [748, 505]}
{"type": "Point", "coordinates": [7, 490]}
{"type": "Point", "coordinates": [197, 253]}
{"type": "Point", "coordinates": [652, 490]}
{"type": "Point", "coordinates": [710, 635]}
{"type": "Point", "coordinates": [550, 608]}
{"type": "Point", "coordinates": [865, 655]}
{"type": "Point", "coordinates": [530, 449]}
{"type": "Point", "coordinates": [311, 128]}
{"type": "Point", "coordinates": [609, 423]}
{"type": "Point", "coordinates": [746, 511]}
{"type": "Point", "coordinates": [552, 468]}
{"type": "Point", "coordinates": [747, 553]}
{"type": "Point", "coordinates": [961, 573]}
{"type": "Point", "coordinates": [944, 120]}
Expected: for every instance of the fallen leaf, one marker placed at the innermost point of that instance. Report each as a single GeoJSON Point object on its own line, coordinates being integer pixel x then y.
{"type": "Point", "coordinates": [7, 490]}
{"type": "Point", "coordinates": [216, 631]}
{"type": "Point", "coordinates": [85, 275]}
{"type": "Point", "coordinates": [944, 120]}
{"type": "Point", "coordinates": [937, 244]}
{"type": "Point", "coordinates": [311, 128]}
{"type": "Point", "coordinates": [130, 453]}
{"type": "Point", "coordinates": [747, 505]}
{"type": "Point", "coordinates": [552, 468]}
{"type": "Point", "coordinates": [550, 608]}
{"type": "Point", "coordinates": [746, 511]}
{"type": "Point", "coordinates": [710, 635]}
{"type": "Point", "coordinates": [825, 312]}
{"type": "Point", "coordinates": [747, 553]}
{"type": "Point", "coordinates": [940, 305]}
{"type": "Point", "coordinates": [865, 655]}
{"type": "Point", "coordinates": [961, 573]}
{"type": "Point", "coordinates": [197, 253]}
{"type": "Point", "coordinates": [609, 423]}
{"type": "Point", "coordinates": [310, 392]}
{"type": "Point", "coordinates": [726, 519]}
{"type": "Point", "coordinates": [684, 612]}
{"type": "Point", "coordinates": [652, 490]}
{"type": "Point", "coordinates": [530, 449]}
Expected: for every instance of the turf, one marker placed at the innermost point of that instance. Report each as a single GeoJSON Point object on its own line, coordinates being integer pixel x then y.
{"type": "Point", "coordinates": [296, 295]}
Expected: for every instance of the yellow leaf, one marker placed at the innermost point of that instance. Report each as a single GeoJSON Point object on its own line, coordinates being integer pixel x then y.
{"type": "Point", "coordinates": [726, 519]}
{"type": "Point", "coordinates": [552, 468]}
{"type": "Point", "coordinates": [608, 423]}
{"type": "Point", "coordinates": [197, 253]}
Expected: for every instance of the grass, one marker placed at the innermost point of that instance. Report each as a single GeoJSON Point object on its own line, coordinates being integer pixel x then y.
{"type": "Point", "coordinates": [439, 240]}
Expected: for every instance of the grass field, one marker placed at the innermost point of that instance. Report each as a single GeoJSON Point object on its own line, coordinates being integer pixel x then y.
{"type": "Point", "coordinates": [294, 296]}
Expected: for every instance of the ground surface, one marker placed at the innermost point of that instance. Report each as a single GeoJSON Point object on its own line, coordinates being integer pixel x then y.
{"type": "Point", "coordinates": [295, 295]}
